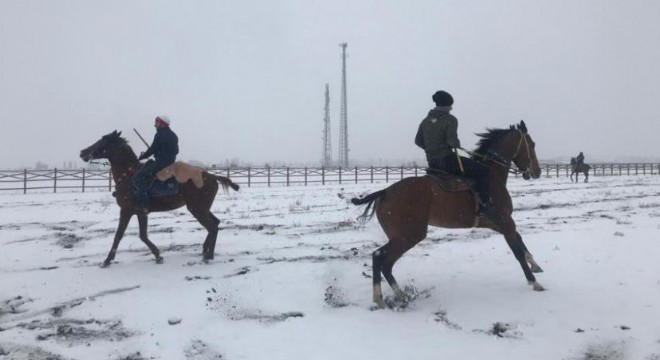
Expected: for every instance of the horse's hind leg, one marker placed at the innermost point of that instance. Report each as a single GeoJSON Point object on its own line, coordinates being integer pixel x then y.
{"type": "Point", "coordinates": [383, 262]}
{"type": "Point", "coordinates": [143, 220]}
{"type": "Point", "coordinates": [210, 223]}
{"type": "Point", "coordinates": [378, 257]}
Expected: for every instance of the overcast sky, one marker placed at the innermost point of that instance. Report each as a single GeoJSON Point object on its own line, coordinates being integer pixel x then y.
{"type": "Point", "coordinates": [245, 79]}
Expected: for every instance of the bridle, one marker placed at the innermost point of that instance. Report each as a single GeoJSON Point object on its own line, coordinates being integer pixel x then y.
{"type": "Point", "coordinates": [501, 160]}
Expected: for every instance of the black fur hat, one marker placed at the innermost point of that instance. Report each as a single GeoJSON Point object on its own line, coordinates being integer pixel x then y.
{"type": "Point", "coordinates": [443, 98]}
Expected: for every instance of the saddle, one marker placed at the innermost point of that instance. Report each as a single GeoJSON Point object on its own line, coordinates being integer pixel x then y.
{"type": "Point", "coordinates": [454, 183]}
{"type": "Point", "coordinates": [160, 188]}
{"type": "Point", "coordinates": [167, 181]}
{"type": "Point", "coordinates": [450, 182]}
{"type": "Point", "coordinates": [182, 172]}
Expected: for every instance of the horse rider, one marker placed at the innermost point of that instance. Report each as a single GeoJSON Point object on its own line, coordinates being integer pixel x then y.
{"type": "Point", "coordinates": [164, 148]}
{"type": "Point", "coordinates": [579, 160]}
{"type": "Point", "coordinates": [438, 136]}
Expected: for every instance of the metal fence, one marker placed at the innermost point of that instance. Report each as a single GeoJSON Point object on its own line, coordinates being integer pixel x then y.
{"type": "Point", "coordinates": [101, 180]}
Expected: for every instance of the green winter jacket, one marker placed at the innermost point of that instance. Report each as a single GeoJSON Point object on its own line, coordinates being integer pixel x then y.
{"type": "Point", "coordinates": [438, 134]}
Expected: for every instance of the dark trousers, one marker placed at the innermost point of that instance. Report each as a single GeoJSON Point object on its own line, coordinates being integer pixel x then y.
{"type": "Point", "coordinates": [143, 178]}
{"type": "Point", "coordinates": [471, 168]}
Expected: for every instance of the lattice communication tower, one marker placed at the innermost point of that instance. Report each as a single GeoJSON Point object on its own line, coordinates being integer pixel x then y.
{"type": "Point", "coordinates": [327, 144]}
{"type": "Point", "coordinates": [343, 115]}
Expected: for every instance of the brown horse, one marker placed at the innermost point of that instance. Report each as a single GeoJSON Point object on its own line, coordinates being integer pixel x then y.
{"type": "Point", "coordinates": [577, 169]}
{"type": "Point", "coordinates": [408, 207]}
{"type": "Point", "coordinates": [198, 200]}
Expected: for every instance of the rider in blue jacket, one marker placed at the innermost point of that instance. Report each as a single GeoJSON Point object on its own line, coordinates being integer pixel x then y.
{"type": "Point", "coordinates": [164, 148]}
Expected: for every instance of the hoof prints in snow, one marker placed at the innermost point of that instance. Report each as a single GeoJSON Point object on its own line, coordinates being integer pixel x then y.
{"type": "Point", "coordinates": [198, 350]}
{"type": "Point", "coordinates": [502, 330]}
{"type": "Point", "coordinates": [335, 298]}
{"type": "Point", "coordinates": [13, 305]}
{"type": "Point", "coordinates": [266, 318]}
{"type": "Point", "coordinates": [411, 296]}
{"type": "Point", "coordinates": [15, 351]}
{"type": "Point", "coordinates": [74, 332]}
{"type": "Point", "coordinates": [441, 317]}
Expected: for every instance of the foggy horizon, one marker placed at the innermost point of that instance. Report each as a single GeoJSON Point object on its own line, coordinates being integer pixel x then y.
{"type": "Point", "coordinates": [246, 82]}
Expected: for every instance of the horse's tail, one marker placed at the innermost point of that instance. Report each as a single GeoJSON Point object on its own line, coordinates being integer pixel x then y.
{"type": "Point", "coordinates": [226, 182]}
{"type": "Point", "coordinates": [369, 200]}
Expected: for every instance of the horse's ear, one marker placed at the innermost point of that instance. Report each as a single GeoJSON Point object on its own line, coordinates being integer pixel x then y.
{"type": "Point", "coordinates": [119, 133]}
{"type": "Point", "coordinates": [522, 126]}
{"type": "Point", "coordinates": [512, 127]}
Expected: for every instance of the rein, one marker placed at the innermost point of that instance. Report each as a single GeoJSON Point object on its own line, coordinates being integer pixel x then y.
{"type": "Point", "coordinates": [499, 159]}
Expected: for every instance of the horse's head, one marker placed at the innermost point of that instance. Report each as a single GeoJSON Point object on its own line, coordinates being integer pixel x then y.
{"type": "Point", "coordinates": [525, 154]}
{"type": "Point", "coordinates": [503, 146]}
{"type": "Point", "coordinates": [106, 148]}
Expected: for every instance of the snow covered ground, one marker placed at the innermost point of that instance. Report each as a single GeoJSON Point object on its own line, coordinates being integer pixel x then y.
{"type": "Point", "coordinates": [291, 279]}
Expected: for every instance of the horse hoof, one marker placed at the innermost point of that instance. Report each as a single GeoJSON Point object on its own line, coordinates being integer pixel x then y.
{"type": "Point", "coordinates": [536, 269]}
{"type": "Point", "coordinates": [105, 264]}
{"type": "Point", "coordinates": [159, 260]}
{"type": "Point", "coordinates": [379, 305]}
{"type": "Point", "coordinates": [538, 287]}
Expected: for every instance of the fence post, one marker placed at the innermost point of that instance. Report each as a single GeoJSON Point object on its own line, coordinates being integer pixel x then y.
{"type": "Point", "coordinates": [24, 181]}
{"type": "Point", "coordinates": [249, 177]}
{"type": "Point", "coordinates": [109, 179]}
{"type": "Point", "coordinates": [55, 181]}
{"type": "Point", "coordinates": [372, 174]}
{"type": "Point", "coordinates": [322, 175]}
{"type": "Point", "coordinates": [340, 175]}
{"type": "Point", "coordinates": [356, 174]}
{"type": "Point", "coordinates": [636, 170]}
{"type": "Point", "coordinates": [557, 170]}
{"type": "Point", "coordinates": [643, 169]}
{"type": "Point", "coordinates": [287, 176]}
{"type": "Point", "coordinates": [401, 172]}
{"type": "Point", "coordinates": [305, 175]}
{"type": "Point", "coordinates": [387, 174]}
{"type": "Point", "coordinates": [415, 170]}
{"type": "Point", "coordinates": [83, 181]}
{"type": "Point", "coordinates": [268, 171]}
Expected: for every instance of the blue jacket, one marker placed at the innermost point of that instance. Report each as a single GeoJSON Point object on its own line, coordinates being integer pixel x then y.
{"type": "Point", "coordinates": [164, 147]}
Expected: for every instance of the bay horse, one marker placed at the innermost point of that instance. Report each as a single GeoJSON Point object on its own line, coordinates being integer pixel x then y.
{"type": "Point", "coordinates": [406, 208]}
{"type": "Point", "coordinates": [577, 169]}
{"type": "Point", "coordinates": [198, 199]}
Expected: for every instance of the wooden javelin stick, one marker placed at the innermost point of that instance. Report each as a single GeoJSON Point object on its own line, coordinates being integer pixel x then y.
{"type": "Point", "coordinates": [141, 138]}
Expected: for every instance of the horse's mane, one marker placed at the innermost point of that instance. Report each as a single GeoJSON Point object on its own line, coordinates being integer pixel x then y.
{"type": "Point", "coordinates": [116, 138]}
{"type": "Point", "coordinates": [489, 138]}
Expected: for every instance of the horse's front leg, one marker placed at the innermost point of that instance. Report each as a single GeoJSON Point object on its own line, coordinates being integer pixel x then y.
{"type": "Point", "coordinates": [520, 252]}
{"type": "Point", "coordinates": [530, 259]}
{"type": "Point", "coordinates": [143, 221]}
{"type": "Point", "coordinates": [124, 218]}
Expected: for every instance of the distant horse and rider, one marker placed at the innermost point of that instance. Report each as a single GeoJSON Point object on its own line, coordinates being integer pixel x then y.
{"type": "Point", "coordinates": [176, 185]}
{"type": "Point", "coordinates": [406, 208]}
{"type": "Point", "coordinates": [578, 166]}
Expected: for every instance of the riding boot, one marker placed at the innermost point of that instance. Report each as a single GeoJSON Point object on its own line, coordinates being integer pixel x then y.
{"type": "Point", "coordinates": [487, 210]}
